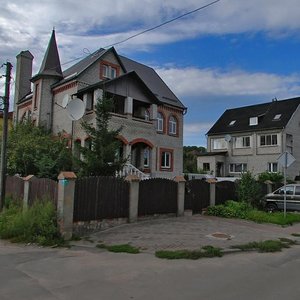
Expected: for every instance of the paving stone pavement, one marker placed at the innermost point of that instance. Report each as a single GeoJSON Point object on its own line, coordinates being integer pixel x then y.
{"type": "Point", "coordinates": [188, 232]}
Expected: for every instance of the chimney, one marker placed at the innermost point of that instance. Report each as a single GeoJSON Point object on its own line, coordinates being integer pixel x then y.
{"type": "Point", "coordinates": [23, 76]}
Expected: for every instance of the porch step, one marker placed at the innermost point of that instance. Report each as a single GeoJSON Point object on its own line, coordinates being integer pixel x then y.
{"type": "Point", "coordinates": [130, 169]}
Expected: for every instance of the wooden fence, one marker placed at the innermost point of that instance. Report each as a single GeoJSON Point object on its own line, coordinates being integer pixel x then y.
{"type": "Point", "coordinates": [157, 196]}
{"type": "Point", "coordinates": [14, 187]}
{"type": "Point", "coordinates": [197, 195]}
{"type": "Point", "coordinates": [225, 190]}
{"type": "Point", "coordinates": [99, 198]}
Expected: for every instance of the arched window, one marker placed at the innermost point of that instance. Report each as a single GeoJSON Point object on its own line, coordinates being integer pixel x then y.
{"type": "Point", "coordinates": [172, 125]}
{"type": "Point", "coordinates": [160, 122]}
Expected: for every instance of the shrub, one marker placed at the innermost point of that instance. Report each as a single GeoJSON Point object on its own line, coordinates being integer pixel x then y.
{"type": "Point", "coordinates": [274, 177]}
{"type": "Point", "coordinates": [37, 224]}
{"type": "Point", "coordinates": [249, 190]}
{"type": "Point", "coordinates": [231, 209]}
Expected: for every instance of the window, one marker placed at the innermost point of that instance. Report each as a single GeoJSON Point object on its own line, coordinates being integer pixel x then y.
{"type": "Point", "coordinates": [160, 122]}
{"type": "Point", "coordinates": [146, 157]}
{"type": "Point", "coordinates": [36, 96]}
{"type": "Point", "coordinates": [277, 117]}
{"type": "Point", "coordinates": [253, 121]}
{"type": "Point", "coordinates": [89, 101]}
{"type": "Point", "coordinates": [166, 159]}
{"type": "Point", "coordinates": [297, 190]}
{"type": "Point", "coordinates": [206, 166]}
{"type": "Point", "coordinates": [147, 115]}
{"type": "Point", "coordinates": [109, 70]}
{"type": "Point", "coordinates": [172, 125]}
{"type": "Point", "coordinates": [242, 142]}
{"type": "Point", "coordinates": [218, 144]}
{"type": "Point", "coordinates": [88, 143]}
{"type": "Point", "coordinates": [268, 140]}
{"type": "Point", "coordinates": [232, 123]}
{"type": "Point", "coordinates": [273, 167]}
{"type": "Point", "coordinates": [77, 145]}
{"type": "Point", "coordinates": [289, 190]}
{"type": "Point", "coordinates": [237, 168]}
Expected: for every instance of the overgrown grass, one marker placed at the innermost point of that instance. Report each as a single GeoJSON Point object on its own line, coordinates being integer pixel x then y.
{"type": "Point", "coordinates": [241, 210]}
{"type": "Point", "coordinates": [266, 246]}
{"type": "Point", "coordinates": [206, 251]}
{"type": "Point", "coordinates": [126, 248]}
{"type": "Point", "coordinates": [37, 224]}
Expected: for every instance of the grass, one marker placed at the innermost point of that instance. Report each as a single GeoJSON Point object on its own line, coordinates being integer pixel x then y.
{"type": "Point", "coordinates": [266, 246]}
{"type": "Point", "coordinates": [37, 224]}
{"type": "Point", "coordinates": [296, 234]}
{"type": "Point", "coordinates": [206, 251]}
{"type": "Point", "coordinates": [122, 248]}
{"type": "Point", "coordinates": [241, 210]}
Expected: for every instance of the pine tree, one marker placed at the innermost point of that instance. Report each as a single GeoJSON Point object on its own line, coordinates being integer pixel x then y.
{"type": "Point", "coordinates": [100, 158]}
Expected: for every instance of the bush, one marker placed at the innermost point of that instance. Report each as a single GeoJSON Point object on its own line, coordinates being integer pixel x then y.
{"type": "Point", "coordinates": [37, 224]}
{"type": "Point", "coordinates": [231, 209]}
{"type": "Point", "coordinates": [273, 177]}
{"type": "Point", "coordinates": [249, 190]}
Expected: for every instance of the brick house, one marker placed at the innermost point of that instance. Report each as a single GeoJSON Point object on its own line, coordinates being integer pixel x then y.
{"type": "Point", "coordinates": [149, 112]}
{"type": "Point", "coordinates": [252, 138]}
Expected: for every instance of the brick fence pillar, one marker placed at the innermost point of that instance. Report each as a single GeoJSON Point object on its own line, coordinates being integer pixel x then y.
{"type": "Point", "coordinates": [180, 195]}
{"type": "Point", "coordinates": [65, 203]}
{"type": "Point", "coordinates": [134, 182]}
{"type": "Point", "coordinates": [212, 191]}
{"type": "Point", "coordinates": [27, 183]}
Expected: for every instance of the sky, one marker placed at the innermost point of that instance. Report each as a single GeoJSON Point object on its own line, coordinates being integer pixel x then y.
{"type": "Point", "coordinates": [233, 53]}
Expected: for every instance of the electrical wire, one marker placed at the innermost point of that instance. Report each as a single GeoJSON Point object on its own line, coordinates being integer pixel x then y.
{"type": "Point", "coordinates": [150, 29]}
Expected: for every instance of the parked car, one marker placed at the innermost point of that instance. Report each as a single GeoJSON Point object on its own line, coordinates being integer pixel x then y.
{"type": "Point", "coordinates": [275, 201]}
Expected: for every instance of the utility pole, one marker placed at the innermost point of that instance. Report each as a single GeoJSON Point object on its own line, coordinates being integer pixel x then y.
{"type": "Point", "coordinates": [4, 133]}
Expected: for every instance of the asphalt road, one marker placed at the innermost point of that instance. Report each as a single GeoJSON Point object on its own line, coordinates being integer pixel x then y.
{"type": "Point", "coordinates": [35, 273]}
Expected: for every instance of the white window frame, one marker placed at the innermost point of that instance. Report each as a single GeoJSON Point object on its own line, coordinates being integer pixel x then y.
{"type": "Point", "coordinates": [233, 167]}
{"type": "Point", "coordinates": [172, 125]}
{"type": "Point", "coordinates": [147, 115]}
{"type": "Point", "coordinates": [218, 144]}
{"type": "Point", "coordinates": [253, 121]}
{"type": "Point", "coordinates": [147, 157]}
{"type": "Point", "coordinates": [166, 160]}
{"type": "Point", "coordinates": [109, 71]}
{"type": "Point", "coordinates": [242, 142]}
{"type": "Point", "coordinates": [273, 167]}
{"type": "Point", "coordinates": [268, 140]}
{"type": "Point", "coordinates": [160, 122]}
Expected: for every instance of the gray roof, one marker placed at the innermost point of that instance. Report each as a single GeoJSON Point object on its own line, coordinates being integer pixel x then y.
{"type": "Point", "coordinates": [148, 75]}
{"type": "Point", "coordinates": [51, 62]}
{"type": "Point", "coordinates": [265, 112]}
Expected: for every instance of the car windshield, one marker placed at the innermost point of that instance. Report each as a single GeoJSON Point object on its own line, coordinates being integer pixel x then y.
{"type": "Point", "coordinates": [289, 190]}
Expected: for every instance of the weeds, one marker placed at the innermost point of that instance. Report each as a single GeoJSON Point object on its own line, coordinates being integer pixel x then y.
{"type": "Point", "coordinates": [206, 251]}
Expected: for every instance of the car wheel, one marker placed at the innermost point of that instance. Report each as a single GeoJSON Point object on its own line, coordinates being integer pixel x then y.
{"type": "Point", "coordinates": [271, 207]}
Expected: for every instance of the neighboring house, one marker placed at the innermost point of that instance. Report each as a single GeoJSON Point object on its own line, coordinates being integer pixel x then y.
{"type": "Point", "coordinates": [252, 138]}
{"type": "Point", "coordinates": [150, 114]}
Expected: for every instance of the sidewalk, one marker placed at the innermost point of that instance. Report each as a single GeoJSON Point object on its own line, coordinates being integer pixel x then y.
{"type": "Point", "coordinates": [188, 232]}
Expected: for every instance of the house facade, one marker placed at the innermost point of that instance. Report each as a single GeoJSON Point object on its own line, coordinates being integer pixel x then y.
{"type": "Point", "coordinates": [150, 115]}
{"type": "Point", "coordinates": [252, 138]}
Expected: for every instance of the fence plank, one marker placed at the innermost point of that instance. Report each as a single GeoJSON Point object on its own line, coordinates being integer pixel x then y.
{"type": "Point", "coordinates": [225, 190]}
{"type": "Point", "coordinates": [102, 197]}
{"type": "Point", "coordinates": [157, 196]}
{"type": "Point", "coordinates": [14, 187]}
{"type": "Point", "coordinates": [196, 195]}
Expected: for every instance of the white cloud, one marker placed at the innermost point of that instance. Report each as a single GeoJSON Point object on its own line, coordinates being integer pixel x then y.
{"type": "Point", "coordinates": [194, 133]}
{"type": "Point", "coordinates": [200, 82]}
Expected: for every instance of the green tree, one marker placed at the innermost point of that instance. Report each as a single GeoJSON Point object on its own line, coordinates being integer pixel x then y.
{"type": "Point", "coordinates": [101, 157]}
{"type": "Point", "coordinates": [190, 158]}
{"type": "Point", "coordinates": [33, 150]}
{"type": "Point", "coordinates": [249, 190]}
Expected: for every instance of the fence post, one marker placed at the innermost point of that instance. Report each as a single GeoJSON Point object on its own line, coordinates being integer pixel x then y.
{"type": "Point", "coordinates": [212, 191]}
{"type": "Point", "coordinates": [269, 186]}
{"type": "Point", "coordinates": [27, 183]}
{"type": "Point", "coordinates": [65, 203]}
{"type": "Point", "coordinates": [180, 194]}
{"type": "Point", "coordinates": [134, 183]}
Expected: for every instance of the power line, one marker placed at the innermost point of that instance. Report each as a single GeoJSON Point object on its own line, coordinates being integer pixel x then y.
{"type": "Point", "coordinates": [163, 24]}
{"type": "Point", "coordinates": [150, 29]}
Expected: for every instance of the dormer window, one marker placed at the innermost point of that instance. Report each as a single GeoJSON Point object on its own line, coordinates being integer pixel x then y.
{"type": "Point", "coordinates": [109, 70]}
{"type": "Point", "coordinates": [232, 123]}
{"type": "Point", "coordinates": [277, 117]}
{"type": "Point", "coordinates": [253, 121]}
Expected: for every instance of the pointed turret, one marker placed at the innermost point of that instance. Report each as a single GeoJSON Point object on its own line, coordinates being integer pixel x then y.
{"type": "Point", "coordinates": [51, 62]}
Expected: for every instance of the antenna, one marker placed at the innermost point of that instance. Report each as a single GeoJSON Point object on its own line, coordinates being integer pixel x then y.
{"type": "Point", "coordinates": [227, 137]}
{"type": "Point", "coordinates": [75, 109]}
{"type": "Point", "coordinates": [65, 101]}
